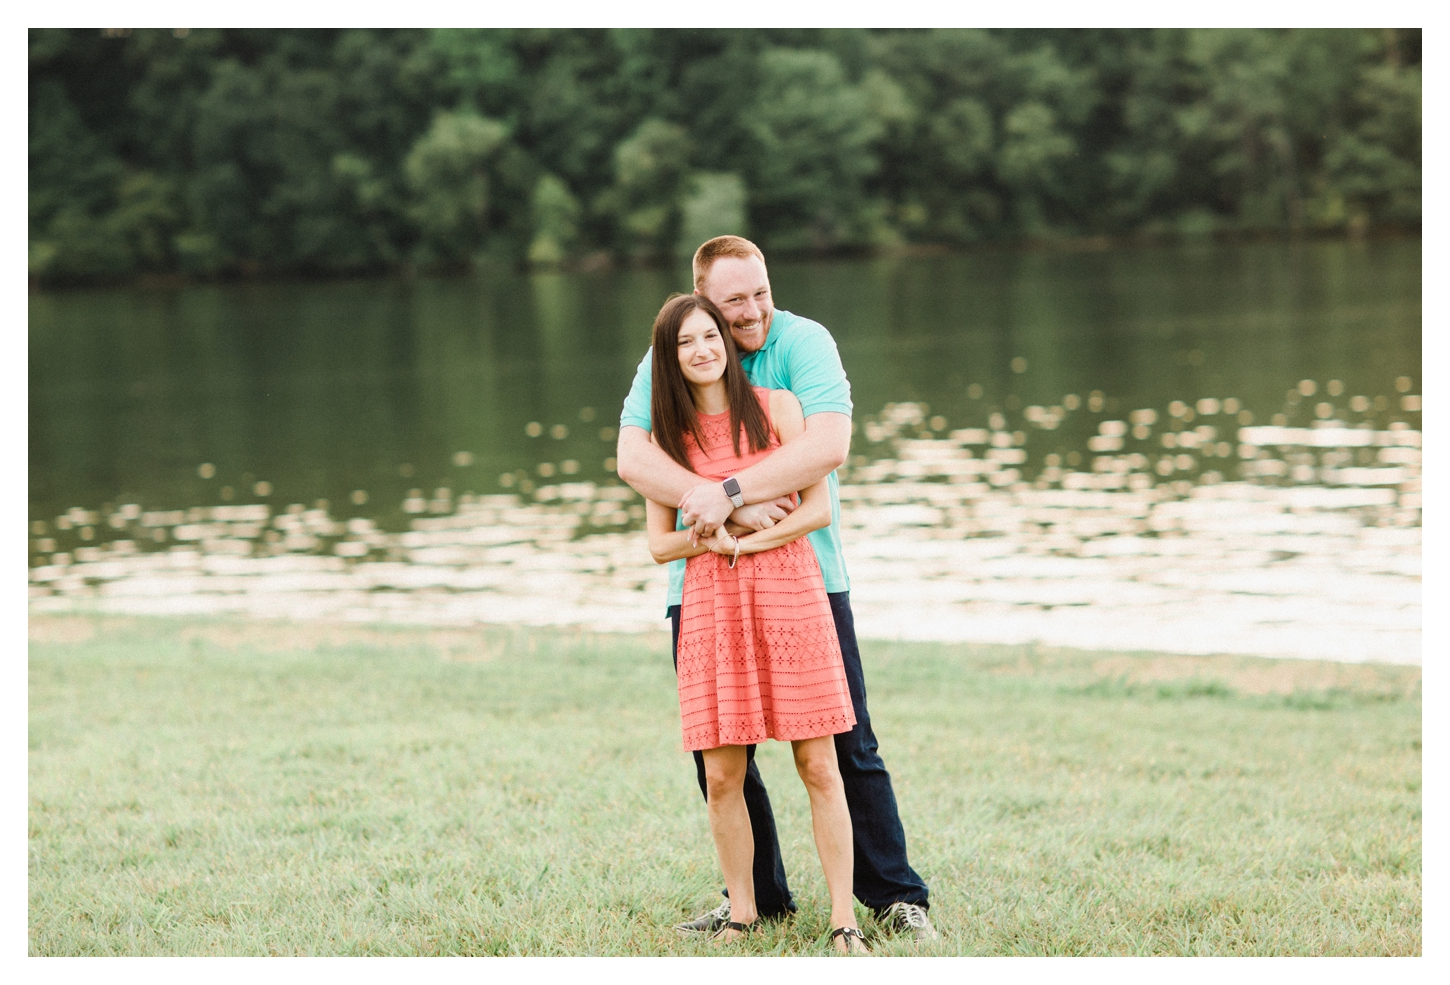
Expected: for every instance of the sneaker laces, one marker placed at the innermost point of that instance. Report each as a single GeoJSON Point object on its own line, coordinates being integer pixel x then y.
{"type": "Point", "coordinates": [910, 914]}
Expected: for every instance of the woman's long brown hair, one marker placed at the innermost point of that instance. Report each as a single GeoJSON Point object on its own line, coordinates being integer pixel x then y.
{"type": "Point", "coordinates": [672, 405]}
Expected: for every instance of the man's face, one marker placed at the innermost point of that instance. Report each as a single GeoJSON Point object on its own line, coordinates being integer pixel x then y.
{"type": "Point", "coordinates": [741, 290]}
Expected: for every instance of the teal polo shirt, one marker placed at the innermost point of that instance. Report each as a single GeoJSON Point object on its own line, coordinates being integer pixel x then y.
{"type": "Point", "coordinates": [799, 355]}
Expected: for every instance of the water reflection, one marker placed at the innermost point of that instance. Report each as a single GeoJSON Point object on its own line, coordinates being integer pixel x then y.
{"type": "Point", "coordinates": [1162, 531]}
{"type": "Point", "coordinates": [1192, 449]}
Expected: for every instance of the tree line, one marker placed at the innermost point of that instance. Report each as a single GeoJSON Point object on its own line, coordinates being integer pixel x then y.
{"type": "Point", "coordinates": [220, 153]}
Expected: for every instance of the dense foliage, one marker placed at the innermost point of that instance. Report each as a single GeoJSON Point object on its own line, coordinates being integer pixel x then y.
{"type": "Point", "coordinates": [217, 152]}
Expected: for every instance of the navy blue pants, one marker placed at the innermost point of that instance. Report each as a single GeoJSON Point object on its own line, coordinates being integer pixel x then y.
{"type": "Point", "coordinates": [882, 874]}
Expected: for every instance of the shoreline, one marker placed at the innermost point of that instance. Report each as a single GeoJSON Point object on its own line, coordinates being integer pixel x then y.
{"type": "Point", "coordinates": [1244, 675]}
{"type": "Point", "coordinates": [600, 261]}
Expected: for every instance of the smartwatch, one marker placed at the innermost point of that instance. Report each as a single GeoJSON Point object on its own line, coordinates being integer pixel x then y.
{"type": "Point", "coordinates": [732, 489]}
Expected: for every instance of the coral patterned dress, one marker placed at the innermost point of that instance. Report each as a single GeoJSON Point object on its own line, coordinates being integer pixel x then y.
{"type": "Point", "coordinates": [758, 653]}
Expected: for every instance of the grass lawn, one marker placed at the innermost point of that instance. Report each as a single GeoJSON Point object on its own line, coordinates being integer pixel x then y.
{"type": "Point", "coordinates": [220, 787]}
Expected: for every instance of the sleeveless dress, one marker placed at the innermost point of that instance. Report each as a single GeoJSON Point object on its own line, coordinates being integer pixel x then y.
{"type": "Point", "coordinates": [758, 653]}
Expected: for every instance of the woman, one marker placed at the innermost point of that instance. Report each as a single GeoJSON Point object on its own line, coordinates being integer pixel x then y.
{"type": "Point", "coordinates": [758, 655]}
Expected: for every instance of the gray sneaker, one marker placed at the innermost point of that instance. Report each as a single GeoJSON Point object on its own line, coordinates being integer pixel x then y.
{"type": "Point", "coordinates": [708, 923]}
{"type": "Point", "coordinates": [908, 919]}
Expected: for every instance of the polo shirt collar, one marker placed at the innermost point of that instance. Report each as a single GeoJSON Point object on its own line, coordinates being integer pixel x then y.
{"type": "Point", "coordinates": [777, 326]}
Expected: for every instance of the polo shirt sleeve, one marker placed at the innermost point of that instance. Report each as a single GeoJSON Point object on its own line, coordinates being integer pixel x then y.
{"type": "Point", "coordinates": [817, 377]}
{"type": "Point", "coordinates": [636, 411]}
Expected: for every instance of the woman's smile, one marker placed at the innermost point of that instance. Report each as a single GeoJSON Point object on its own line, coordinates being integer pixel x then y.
{"type": "Point", "coordinates": [701, 349]}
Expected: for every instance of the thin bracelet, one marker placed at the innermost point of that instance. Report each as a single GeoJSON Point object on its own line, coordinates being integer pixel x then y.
{"type": "Point", "coordinates": [737, 551]}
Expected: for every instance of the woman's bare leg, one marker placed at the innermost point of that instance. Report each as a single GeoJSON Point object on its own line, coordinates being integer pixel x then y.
{"type": "Point", "coordinates": [815, 760]}
{"type": "Point", "coordinates": [730, 824]}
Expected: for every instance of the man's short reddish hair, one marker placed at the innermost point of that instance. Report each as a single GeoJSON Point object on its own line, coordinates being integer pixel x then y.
{"type": "Point", "coordinates": [719, 248]}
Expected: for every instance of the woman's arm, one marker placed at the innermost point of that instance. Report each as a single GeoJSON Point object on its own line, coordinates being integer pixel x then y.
{"type": "Point", "coordinates": [665, 542]}
{"type": "Point", "coordinates": [814, 511]}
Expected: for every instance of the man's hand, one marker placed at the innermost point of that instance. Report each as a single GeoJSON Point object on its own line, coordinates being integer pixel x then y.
{"type": "Point", "coordinates": [762, 516]}
{"type": "Point", "coordinates": [704, 507]}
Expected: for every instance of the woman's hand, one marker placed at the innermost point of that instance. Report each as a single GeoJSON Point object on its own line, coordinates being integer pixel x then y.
{"type": "Point", "coordinates": [762, 516]}
{"type": "Point", "coordinates": [721, 542]}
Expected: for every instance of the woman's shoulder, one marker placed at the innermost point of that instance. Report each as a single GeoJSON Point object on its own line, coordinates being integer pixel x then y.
{"type": "Point", "coordinates": [775, 397]}
{"type": "Point", "coordinates": [781, 404]}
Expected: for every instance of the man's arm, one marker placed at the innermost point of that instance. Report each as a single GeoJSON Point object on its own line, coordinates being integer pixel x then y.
{"type": "Point", "coordinates": [797, 465]}
{"type": "Point", "coordinates": [645, 468]}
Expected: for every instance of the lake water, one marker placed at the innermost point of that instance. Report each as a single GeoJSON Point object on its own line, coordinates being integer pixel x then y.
{"type": "Point", "coordinates": [1195, 449]}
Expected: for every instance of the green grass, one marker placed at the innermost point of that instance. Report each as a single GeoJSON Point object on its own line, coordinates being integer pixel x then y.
{"type": "Point", "coordinates": [212, 787]}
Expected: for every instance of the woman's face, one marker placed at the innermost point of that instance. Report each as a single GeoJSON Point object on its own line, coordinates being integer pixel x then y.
{"type": "Point", "coordinates": [701, 349]}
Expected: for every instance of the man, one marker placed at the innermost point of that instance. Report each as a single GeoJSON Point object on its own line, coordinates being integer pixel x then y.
{"type": "Point", "coordinates": [783, 351]}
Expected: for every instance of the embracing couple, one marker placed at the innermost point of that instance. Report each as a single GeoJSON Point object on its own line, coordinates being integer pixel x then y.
{"type": "Point", "coordinates": [737, 419]}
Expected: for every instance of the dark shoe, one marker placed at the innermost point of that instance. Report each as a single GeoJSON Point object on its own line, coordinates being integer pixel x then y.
{"type": "Point", "coordinates": [852, 938]}
{"type": "Point", "coordinates": [707, 924]}
{"type": "Point", "coordinates": [908, 919]}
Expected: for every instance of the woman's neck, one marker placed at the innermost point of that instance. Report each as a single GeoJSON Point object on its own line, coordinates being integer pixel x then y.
{"type": "Point", "coordinates": [710, 398]}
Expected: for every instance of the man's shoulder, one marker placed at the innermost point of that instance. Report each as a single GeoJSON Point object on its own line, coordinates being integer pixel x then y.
{"type": "Point", "coordinates": [799, 330]}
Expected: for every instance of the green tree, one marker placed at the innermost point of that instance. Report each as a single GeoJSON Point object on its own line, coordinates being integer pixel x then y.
{"type": "Point", "coordinates": [448, 173]}
{"type": "Point", "coordinates": [1373, 163]}
{"type": "Point", "coordinates": [714, 206]}
{"type": "Point", "coordinates": [555, 214]}
{"type": "Point", "coordinates": [72, 183]}
{"type": "Point", "coordinates": [1033, 152]}
{"type": "Point", "coordinates": [651, 172]}
{"type": "Point", "coordinates": [814, 153]}
{"type": "Point", "coordinates": [225, 152]}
